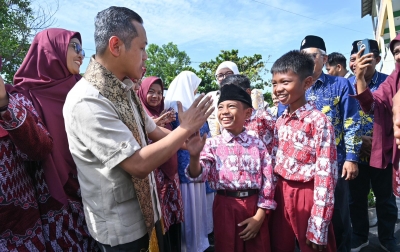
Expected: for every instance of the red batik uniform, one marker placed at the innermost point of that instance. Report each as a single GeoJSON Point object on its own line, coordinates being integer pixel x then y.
{"type": "Point", "coordinates": [262, 124]}
{"type": "Point", "coordinates": [238, 163]}
{"type": "Point", "coordinates": [306, 165]}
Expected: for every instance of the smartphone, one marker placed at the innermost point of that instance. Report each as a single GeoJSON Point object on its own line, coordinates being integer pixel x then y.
{"type": "Point", "coordinates": [364, 44]}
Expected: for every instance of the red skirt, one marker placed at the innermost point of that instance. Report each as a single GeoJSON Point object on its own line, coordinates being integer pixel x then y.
{"type": "Point", "coordinates": [228, 212]}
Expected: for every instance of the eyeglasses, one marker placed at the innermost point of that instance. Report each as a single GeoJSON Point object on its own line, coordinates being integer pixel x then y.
{"type": "Point", "coordinates": [78, 48]}
{"type": "Point", "coordinates": [314, 55]}
{"type": "Point", "coordinates": [222, 76]}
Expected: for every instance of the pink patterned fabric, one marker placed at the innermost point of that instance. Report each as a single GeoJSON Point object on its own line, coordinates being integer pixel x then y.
{"type": "Point", "coordinates": [238, 163]}
{"type": "Point", "coordinates": [262, 125]}
{"type": "Point", "coordinates": [305, 150]}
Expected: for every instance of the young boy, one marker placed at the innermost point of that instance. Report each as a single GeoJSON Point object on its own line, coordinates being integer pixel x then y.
{"type": "Point", "coordinates": [238, 166]}
{"type": "Point", "coordinates": [261, 123]}
{"type": "Point", "coordinates": [305, 162]}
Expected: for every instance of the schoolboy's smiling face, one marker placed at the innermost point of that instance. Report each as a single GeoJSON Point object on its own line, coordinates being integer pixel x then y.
{"type": "Point", "coordinates": [290, 89]}
{"type": "Point", "coordinates": [232, 115]}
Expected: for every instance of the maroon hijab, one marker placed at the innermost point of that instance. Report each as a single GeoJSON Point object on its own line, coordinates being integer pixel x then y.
{"type": "Point", "coordinates": [142, 93]}
{"type": "Point", "coordinates": [170, 168]}
{"type": "Point", "coordinates": [45, 79]}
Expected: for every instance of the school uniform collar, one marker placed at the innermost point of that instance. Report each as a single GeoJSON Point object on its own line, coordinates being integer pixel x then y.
{"type": "Point", "coordinates": [228, 136]}
{"type": "Point", "coordinates": [301, 112]}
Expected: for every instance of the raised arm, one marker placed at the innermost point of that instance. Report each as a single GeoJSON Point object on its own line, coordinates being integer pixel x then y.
{"type": "Point", "coordinates": [23, 125]}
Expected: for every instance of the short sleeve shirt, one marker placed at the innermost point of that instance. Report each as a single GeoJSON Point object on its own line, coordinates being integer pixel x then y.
{"type": "Point", "coordinates": [99, 141]}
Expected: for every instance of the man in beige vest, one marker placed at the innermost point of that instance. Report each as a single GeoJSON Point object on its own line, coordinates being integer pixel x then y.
{"type": "Point", "coordinates": [107, 133]}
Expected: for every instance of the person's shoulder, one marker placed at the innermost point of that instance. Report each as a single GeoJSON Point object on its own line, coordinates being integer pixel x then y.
{"type": "Point", "coordinates": [81, 89]}
{"type": "Point", "coordinates": [337, 79]}
{"type": "Point", "coordinates": [318, 118]}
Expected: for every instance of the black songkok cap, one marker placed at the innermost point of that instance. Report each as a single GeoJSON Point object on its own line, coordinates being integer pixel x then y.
{"type": "Point", "coordinates": [313, 41]}
{"type": "Point", "coordinates": [234, 93]}
{"type": "Point", "coordinates": [373, 46]}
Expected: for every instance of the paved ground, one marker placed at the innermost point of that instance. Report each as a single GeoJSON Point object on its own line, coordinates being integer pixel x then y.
{"type": "Point", "coordinates": [374, 245]}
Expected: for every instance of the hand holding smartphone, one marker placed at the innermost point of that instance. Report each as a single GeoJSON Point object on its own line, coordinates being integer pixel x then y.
{"type": "Point", "coordinates": [364, 44]}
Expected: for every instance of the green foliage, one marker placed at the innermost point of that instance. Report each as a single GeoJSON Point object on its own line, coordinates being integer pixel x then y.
{"type": "Point", "coordinates": [18, 24]}
{"type": "Point", "coordinates": [268, 98]}
{"type": "Point", "coordinates": [166, 62]}
{"type": "Point", "coordinates": [371, 199]}
{"type": "Point", "coordinates": [14, 34]}
{"type": "Point", "coordinates": [251, 66]}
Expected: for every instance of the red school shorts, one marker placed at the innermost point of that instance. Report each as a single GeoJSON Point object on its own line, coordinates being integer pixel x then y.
{"type": "Point", "coordinates": [228, 212]}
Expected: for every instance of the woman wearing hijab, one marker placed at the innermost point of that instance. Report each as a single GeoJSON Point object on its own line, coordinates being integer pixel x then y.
{"type": "Point", "coordinates": [22, 138]}
{"type": "Point", "coordinates": [224, 69]}
{"type": "Point", "coordinates": [384, 150]}
{"type": "Point", "coordinates": [49, 70]}
{"type": "Point", "coordinates": [194, 228]}
{"type": "Point", "coordinates": [167, 179]}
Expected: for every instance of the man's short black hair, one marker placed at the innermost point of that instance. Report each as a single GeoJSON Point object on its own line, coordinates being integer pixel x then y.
{"type": "Point", "coordinates": [115, 21]}
{"type": "Point", "coordinates": [298, 62]}
{"type": "Point", "coordinates": [336, 58]}
{"type": "Point", "coordinates": [236, 79]}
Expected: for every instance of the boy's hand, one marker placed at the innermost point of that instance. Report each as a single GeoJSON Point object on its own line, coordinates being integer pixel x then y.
{"type": "Point", "coordinates": [195, 143]}
{"type": "Point", "coordinates": [315, 246]}
{"type": "Point", "coordinates": [253, 225]}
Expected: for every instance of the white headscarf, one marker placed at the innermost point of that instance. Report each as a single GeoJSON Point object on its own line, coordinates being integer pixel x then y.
{"type": "Point", "coordinates": [230, 65]}
{"type": "Point", "coordinates": [182, 89]}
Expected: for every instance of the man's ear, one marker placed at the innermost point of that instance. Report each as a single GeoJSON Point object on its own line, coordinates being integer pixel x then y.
{"type": "Point", "coordinates": [115, 46]}
{"type": "Point", "coordinates": [307, 82]}
{"type": "Point", "coordinates": [325, 59]}
{"type": "Point", "coordinates": [378, 59]}
{"type": "Point", "coordinates": [339, 67]}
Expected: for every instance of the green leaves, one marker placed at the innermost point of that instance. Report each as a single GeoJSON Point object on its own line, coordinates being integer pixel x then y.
{"type": "Point", "coordinates": [15, 34]}
{"type": "Point", "coordinates": [18, 24]}
{"type": "Point", "coordinates": [251, 66]}
{"type": "Point", "coordinates": [166, 62]}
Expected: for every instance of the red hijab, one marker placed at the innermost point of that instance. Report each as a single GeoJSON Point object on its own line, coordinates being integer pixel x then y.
{"type": "Point", "coordinates": [45, 79]}
{"type": "Point", "coordinates": [170, 168]}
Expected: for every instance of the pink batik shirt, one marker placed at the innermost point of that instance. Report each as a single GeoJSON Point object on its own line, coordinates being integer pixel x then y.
{"type": "Point", "coordinates": [305, 150]}
{"type": "Point", "coordinates": [238, 163]}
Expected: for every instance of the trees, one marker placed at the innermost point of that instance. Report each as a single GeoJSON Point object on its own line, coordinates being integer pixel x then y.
{"type": "Point", "coordinates": [166, 62]}
{"type": "Point", "coordinates": [19, 22]}
{"type": "Point", "coordinates": [251, 66]}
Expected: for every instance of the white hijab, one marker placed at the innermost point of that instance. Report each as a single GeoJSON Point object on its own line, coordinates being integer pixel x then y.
{"type": "Point", "coordinates": [182, 89]}
{"type": "Point", "coordinates": [230, 65]}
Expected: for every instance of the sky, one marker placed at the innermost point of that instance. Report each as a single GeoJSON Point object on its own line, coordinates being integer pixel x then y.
{"type": "Point", "coordinates": [202, 28]}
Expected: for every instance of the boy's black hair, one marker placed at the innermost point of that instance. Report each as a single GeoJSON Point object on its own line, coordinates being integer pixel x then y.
{"type": "Point", "coordinates": [295, 61]}
{"type": "Point", "coordinates": [236, 79]}
{"type": "Point", "coordinates": [336, 58]}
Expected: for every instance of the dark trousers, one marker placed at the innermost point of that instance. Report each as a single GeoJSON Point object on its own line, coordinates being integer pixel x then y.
{"type": "Point", "coordinates": [381, 182]}
{"type": "Point", "coordinates": [172, 239]}
{"type": "Point", "coordinates": [341, 216]}
{"type": "Point", "coordinates": [140, 245]}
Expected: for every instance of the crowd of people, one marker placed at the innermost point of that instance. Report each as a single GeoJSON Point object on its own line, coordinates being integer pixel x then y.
{"type": "Point", "coordinates": [105, 162]}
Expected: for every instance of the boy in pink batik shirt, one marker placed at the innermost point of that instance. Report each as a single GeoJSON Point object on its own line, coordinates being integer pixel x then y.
{"type": "Point", "coordinates": [238, 166]}
{"type": "Point", "coordinates": [305, 162]}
